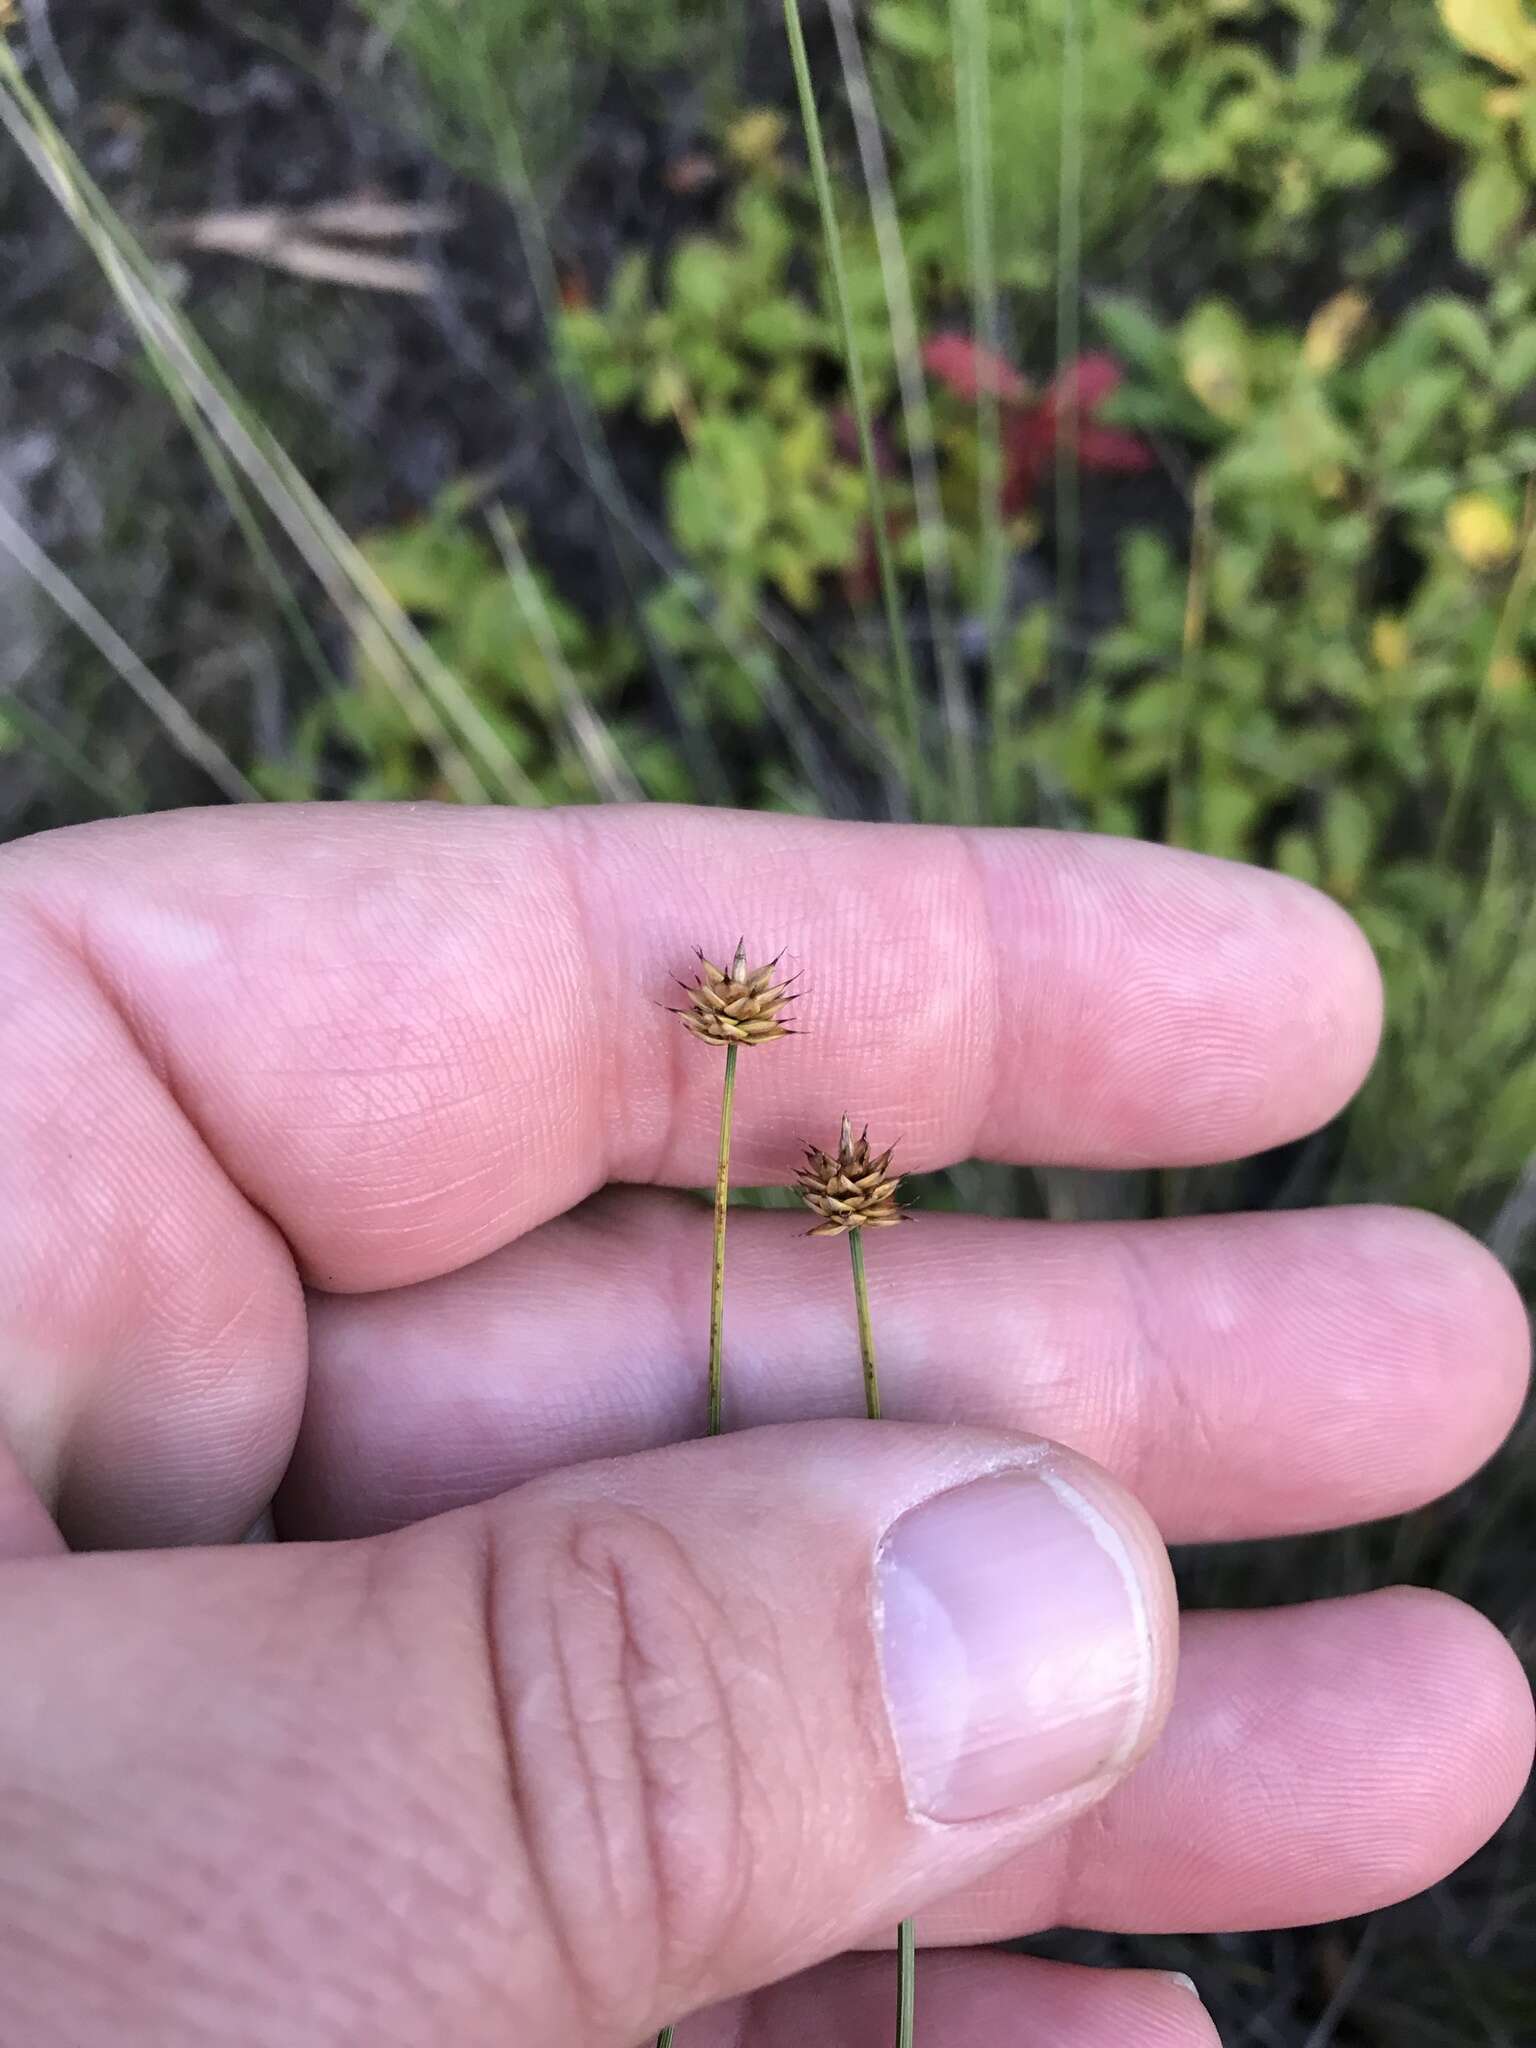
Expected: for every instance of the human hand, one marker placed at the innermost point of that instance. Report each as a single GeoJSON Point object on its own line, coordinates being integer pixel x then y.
{"type": "Point", "coordinates": [554, 1751]}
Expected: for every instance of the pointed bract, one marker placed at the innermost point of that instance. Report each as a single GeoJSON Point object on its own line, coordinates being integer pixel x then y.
{"type": "Point", "coordinates": [851, 1191]}
{"type": "Point", "coordinates": [738, 1005]}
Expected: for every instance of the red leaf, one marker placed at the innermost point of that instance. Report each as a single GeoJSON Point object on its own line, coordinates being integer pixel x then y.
{"type": "Point", "coordinates": [968, 369]}
{"type": "Point", "coordinates": [1085, 384]}
{"type": "Point", "coordinates": [1107, 448]}
{"type": "Point", "coordinates": [1081, 389]}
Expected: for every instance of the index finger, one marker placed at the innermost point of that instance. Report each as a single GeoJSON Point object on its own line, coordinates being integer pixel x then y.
{"type": "Point", "coordinates": [408, 1034]}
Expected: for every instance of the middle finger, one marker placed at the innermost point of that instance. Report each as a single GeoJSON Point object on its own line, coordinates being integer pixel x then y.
{"type": "Point", "coordinates": [1245, 1375]}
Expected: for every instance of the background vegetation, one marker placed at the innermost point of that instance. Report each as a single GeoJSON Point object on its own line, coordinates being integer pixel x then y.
{"type": "Point", "coordinates": [1132, 428]}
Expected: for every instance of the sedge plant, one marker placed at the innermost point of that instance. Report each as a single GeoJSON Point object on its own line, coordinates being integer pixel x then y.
{"type": "Point", "coordinates": [728, 1008]}
{"type": "Point", "coordinates": [851, 1191]}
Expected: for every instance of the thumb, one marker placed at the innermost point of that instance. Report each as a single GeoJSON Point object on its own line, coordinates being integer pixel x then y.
{"type": "Point", "coordinates": [569, 1765]}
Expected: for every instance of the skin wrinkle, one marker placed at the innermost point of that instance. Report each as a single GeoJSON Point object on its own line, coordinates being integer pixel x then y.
{"type": "Point", "coordinates": [990, 1077]}
{"type": "Point", "coordinates": [1172, 1421]}
{"type": "Point", "coordinates": [574, 848]}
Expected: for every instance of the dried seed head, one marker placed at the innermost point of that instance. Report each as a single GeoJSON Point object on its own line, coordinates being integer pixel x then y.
{"type": "Point", "coordinates": [739, 1007]}
{"type": "Point", "coordinates": [852, 1190]}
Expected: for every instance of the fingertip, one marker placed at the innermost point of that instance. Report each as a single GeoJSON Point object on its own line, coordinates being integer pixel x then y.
{"type": "Point", "coordinates": [1472, 1335]}
{"type": "Point", "coordinates": [1339, 997]}
{"type": "Point", "coordinates": [1449, 1762]}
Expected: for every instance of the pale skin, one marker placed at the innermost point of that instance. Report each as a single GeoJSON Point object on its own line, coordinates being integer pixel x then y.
{"type": "Point", "coordinates": [305, 1115]}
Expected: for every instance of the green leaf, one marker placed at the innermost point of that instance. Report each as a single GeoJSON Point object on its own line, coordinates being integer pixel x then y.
{"type": "Point", "coordinates": [1457, 104]}
{"type": "Point", "coordinates": [1296, 855]}
{"type": "Point", "coordinates": [1349, 839]}
{"type": "Point", "coordinates": [915, 31]}
{"type": "Point", "coordinates": [1357, 160]}
{"type": "Point", "coordinates": [1136, 337]}
{"type": "Point", "coordinates": [1459, 325]}
{"type": "Point", "coordinates": [701, 278]}
{"type": "Point", "coordinates": [1514, 372]}
{"type": "Point", "coordinates": [1488, 209]}
{"type": "Point", "coordinates": [1499, 31]}
{"type": "Point", "coordinates": [783, 326]}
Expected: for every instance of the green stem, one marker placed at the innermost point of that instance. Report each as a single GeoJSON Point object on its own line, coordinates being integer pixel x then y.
{"type": "Point", "coordinates": [906, 1982]}
{"type": "Point", "coordinates": [717, 1279]}
{"type": "Point", "coordinates": [866, 1332]}
{"type": "Point", "coordinates": [717, 1284]}
{"type": "Point", "coordinates": [906, 1937]}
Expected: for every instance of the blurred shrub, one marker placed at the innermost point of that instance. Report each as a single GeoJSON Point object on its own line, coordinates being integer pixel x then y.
{"type": "Point", "coordinates": [1118, 127]}
{"type": "Point", "coordinates": [1284, 132]}
{"type": "Point", "coordinates": [723, 344]}
{"type": "Point", "coordinates": [520, 75]}
{"type": "Point", "coordinates": [1489, 108]}
{"type": "Point", "coordinates": [531, 662]}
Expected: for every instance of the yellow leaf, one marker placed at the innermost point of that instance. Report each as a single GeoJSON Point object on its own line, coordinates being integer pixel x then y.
{"type": "Point", "coordinates": [1505, 103]}
{"type": "Point", "coordinates": [1507, 672]}
{"type": "Point", "coordinates": [754, 140]}
{"type": "Point", "coordinates": [1332, 330]}
{"type": "Point", "coordinates": [1217, 382]}
{"type": "Point", "coordinates": [1499, 31]}
{"type": "Point", "coordinates": [1389, 643]}
{"type": "Point", "coordinates": [1481, 532]}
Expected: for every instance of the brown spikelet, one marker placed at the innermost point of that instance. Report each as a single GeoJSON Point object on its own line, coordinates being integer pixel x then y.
{"type": "Point", "coordinates": [739, 1007]}
{"type": "Point", "coordinates": [854, 1189]}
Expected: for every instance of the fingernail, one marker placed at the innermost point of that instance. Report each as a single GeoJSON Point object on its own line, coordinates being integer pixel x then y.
{"type": "Point", "coordinates": [1015, 1646]}
{"type": "Point", "coordinates": [1185, 1983]}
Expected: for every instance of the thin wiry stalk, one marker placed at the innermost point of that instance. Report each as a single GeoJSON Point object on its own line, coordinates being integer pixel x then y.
{"type": "Point", "coordinates": [970, 28]}
{"type": "Point", "coordinates": [932, 528]}
{"type": "Point", "coordinates": [1176, 820]}
{"type": "Point", "coordinates": [180, 727]}
{"type": "Point", "coordinates": [901, 653]}
{"type": "Point", "coordinates": [722, 1207]}
{"type": "Point", "coordinates": [1504, 652]}
{"type": "Point", "coordinates": [906, 1982]}
{"type": "Point", "coordinates": [428, 691]}
{"type": "Point", "coordinates": [906, 1939]}
{"type": "Point", "coordinates": [1069, 322]}
{"type": "Point", "coordinates": [866, 1330]}
{"type": "Point", "coordinates": [717, 1265]}
{"type": "Point", "coordinates": [604, 763]}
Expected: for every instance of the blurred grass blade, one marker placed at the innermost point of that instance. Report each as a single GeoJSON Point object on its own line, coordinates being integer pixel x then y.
{"type": "Point", "coordinates": [1069, 323]}
{"type": "Point", "coordinates": [917, 414]}
{"type": "Point", "coordinates": [915, 771]}
{"type": "Point", "coordinates": [435, 700]}
{"type": "Point", "coordinates": [180, 727]}
{"type": "Point", "coordinates": [604, 763]}
{"type": "Point", "coordinates": [970, 28]}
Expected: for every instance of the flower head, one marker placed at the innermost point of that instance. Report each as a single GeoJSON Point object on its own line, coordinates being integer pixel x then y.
{"type": "Point", "coordinates": [739, 1007]}
{"type": "Point", "coordinates": [852, 1189]}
